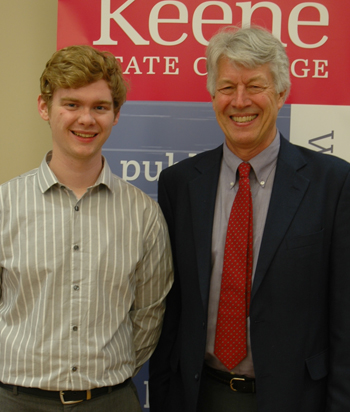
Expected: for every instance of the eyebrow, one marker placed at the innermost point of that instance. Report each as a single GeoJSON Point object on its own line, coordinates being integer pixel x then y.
{"type": "Point", "coordinates": [258, 78]}
{"type": "Point", "coordinates": [74, 100]}
{"type": "Point", "coordinates": [252, 79]}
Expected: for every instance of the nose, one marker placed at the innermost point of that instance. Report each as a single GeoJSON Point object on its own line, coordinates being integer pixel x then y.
{"type": "Point", "coordinates": [86, 117]}
{"type": "Point", "coordinates": [241, 98]}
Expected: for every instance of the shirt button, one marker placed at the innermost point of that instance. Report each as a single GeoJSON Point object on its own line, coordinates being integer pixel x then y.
{"type": "Point", "coordinates": [74, 369]}
{"type": "Point", "coordinates": [76, 247]}
{"type": "Point", "coordinates": [75, 328]}
{"type": "Point", "coordinates": [76, 208]}
{"type": "Point", "coordinates": [76, 287]}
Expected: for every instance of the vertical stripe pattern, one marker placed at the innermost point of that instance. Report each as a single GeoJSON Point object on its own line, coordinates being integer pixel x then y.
{"type": "Point", "coordinates": [83, 283]}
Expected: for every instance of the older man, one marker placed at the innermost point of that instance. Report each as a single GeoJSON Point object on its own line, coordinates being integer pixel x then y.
{"type": "Point", "coordinates": [258, 318]}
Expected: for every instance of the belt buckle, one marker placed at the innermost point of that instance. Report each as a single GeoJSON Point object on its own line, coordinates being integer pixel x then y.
{"type": "Point", "coordinates": [64, 402]}
{"type": "Point", "coordinates": [232, 381]}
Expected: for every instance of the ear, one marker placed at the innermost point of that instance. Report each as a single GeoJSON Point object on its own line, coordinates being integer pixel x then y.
{"type": "Point", "coordinates": [281, 99]}
{"type": "Point", "coordinates": [212, 101]}
{"type": "Point", "coordinates": [116, 119]}
{"type": "Point", "coordinates": [43, 108]}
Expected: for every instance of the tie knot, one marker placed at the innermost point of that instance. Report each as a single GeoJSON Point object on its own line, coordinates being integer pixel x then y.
{"type": "Point", "coordinates": [244, 169]}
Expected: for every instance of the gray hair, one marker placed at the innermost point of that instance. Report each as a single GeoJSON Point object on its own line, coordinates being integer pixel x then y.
{"type": "Point", "coordinates": [248, 47]}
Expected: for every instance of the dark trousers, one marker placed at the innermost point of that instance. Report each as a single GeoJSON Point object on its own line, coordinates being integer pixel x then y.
{"type": "Point", "coordinates": [124, 399]}
{"type": "Point", "coordinates": [215, 396]}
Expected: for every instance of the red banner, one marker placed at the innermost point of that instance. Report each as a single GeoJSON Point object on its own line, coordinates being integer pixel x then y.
{"type": "Point", "coordinates": [161, 44]}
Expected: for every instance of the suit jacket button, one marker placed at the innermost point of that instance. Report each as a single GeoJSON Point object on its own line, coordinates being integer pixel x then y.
{"type": "Point", "coordinates": [196, 376]}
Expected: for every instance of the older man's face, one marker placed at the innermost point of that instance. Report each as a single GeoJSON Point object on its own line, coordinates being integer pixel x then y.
{"type": "Point", "coordinates": [246, 105]}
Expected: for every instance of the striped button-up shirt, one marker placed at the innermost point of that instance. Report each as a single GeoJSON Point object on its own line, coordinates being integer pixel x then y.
{"type": "Point", "coordinates": [83, 282]}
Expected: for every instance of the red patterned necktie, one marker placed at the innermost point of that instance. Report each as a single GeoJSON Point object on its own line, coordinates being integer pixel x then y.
{"type": "Point", "coordinates": [231, 328]}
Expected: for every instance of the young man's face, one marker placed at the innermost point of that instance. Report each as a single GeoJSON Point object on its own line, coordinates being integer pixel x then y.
{"type": "Point", "coordinates": [81, 120]}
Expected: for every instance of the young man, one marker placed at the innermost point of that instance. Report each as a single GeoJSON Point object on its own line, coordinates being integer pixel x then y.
{"type": "Point", "coordinates": [85, 257]}
{"type": "Point", "coordinates": [258, 318]}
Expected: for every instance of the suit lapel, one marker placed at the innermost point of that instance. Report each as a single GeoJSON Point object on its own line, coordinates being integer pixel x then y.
{"type": "Point", "coordinates": [288, 191]}
{"type": "Point", "coordinates": [202, 191]}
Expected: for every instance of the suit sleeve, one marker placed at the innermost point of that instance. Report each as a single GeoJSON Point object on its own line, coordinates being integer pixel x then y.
{"type": "Point", "coordinates": [161, 361]}
{"type": "Point", "coordinates": [339, 377]}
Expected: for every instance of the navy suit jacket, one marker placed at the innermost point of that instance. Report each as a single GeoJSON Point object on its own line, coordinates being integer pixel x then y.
{"type": "Point", "coordinates": [300, 303]}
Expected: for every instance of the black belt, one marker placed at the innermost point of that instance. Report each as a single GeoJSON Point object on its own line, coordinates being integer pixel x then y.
{"type": "Point", "coordinates": [66, 397]}
{"type": "Point", "coordinates": [237, 383]}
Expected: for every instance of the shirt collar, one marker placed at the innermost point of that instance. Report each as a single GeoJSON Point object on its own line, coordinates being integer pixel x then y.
{"type": "Point", "coordinates": [262, 164]}
{"type": "Point", "coordinates": [47, 178]}
{"type": "Point", "coordinates": [106, 176]}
